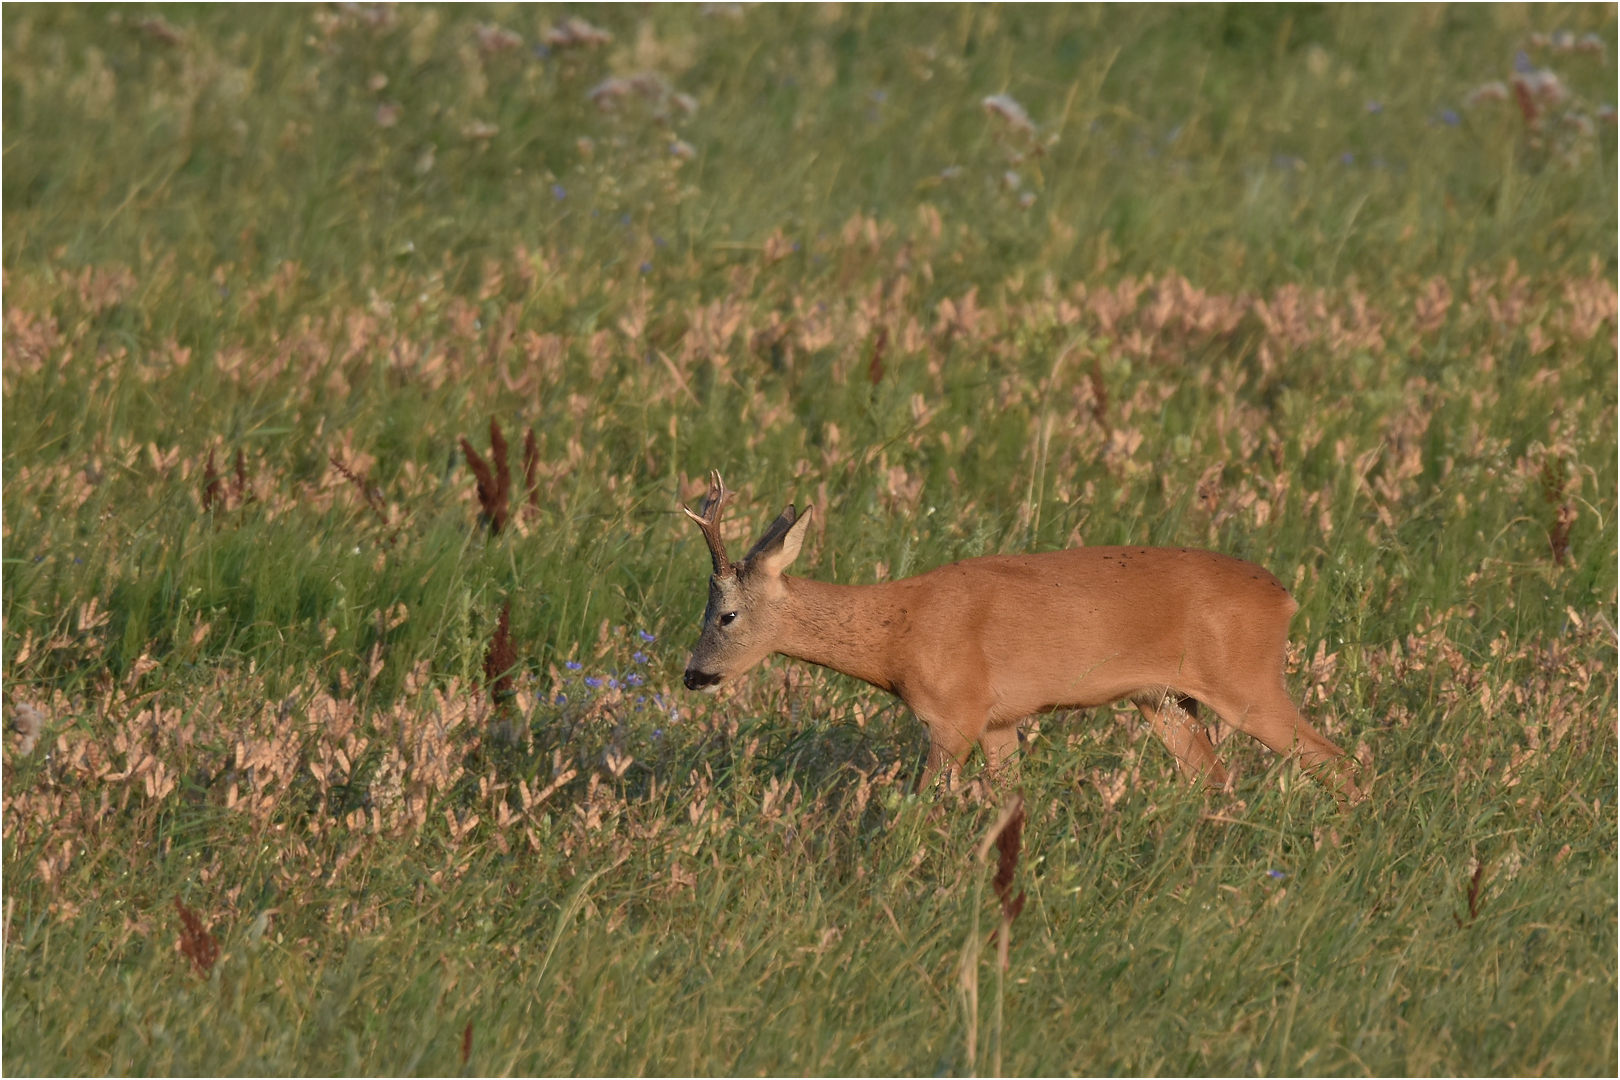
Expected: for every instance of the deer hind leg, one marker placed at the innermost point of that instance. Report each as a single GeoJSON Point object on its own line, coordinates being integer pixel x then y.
{"type": "Point", "coordinates": [1275, 721]}
{"type": "Point", "coordinates": [1176, 727]}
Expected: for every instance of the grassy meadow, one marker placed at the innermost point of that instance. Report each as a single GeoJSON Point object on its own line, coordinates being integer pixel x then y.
{"type": "Point", "coordinates": [310, 768]}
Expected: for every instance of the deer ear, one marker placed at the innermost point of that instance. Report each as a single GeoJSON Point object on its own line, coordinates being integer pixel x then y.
{"type": "Point", "coordinates": [773, 533]}
{"type": "Point", "coordinates": [779, 547]}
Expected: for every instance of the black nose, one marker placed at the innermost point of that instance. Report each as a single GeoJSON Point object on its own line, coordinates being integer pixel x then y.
{"type": "Point", "coordinates": [697, 680]}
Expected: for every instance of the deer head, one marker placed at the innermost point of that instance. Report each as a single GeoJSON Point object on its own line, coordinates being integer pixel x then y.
{"type": "Point", "coordinates": [740, 625]}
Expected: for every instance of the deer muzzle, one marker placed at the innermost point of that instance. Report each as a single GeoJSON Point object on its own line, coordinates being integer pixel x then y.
{"type": "Point", "coordinates": [701, 680]}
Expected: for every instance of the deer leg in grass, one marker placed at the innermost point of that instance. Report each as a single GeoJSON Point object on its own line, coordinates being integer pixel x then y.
{"type": "Point", "coordinates": [955, 703]}
{"type": "Point", "coordinates": [1184, 738]}
{"type": "Point", "coordinates": [1000, 746]}
{"type": "Point", "coordinates": [949, 745]}
{"type": "Point", "coordinates": [942, 760]}
{"type": "Point", "coordinates": [1275, 721]}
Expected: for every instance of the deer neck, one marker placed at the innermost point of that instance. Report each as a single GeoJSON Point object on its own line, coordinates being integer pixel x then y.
{"type": "Point", "coordinates": [840, 627]}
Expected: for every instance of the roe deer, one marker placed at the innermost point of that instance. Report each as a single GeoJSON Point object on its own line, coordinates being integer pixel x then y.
{"type": "Point", "coordinates": [977, 646]}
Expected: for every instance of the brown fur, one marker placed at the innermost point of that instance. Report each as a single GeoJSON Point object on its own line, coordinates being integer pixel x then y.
{"type": "Point", "coordinates": [979, 645]}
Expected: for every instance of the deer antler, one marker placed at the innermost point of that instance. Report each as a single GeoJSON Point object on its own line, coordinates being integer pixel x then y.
{"type": "Point", "coordinates": [709, 521]}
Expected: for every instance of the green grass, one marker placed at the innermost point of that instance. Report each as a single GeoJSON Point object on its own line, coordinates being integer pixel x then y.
{"type": "Point", "coordinates": [1263, 282]}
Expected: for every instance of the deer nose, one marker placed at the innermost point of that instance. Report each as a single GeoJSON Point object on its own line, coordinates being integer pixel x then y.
{"type": "Point", "coordinates": [697, 680]}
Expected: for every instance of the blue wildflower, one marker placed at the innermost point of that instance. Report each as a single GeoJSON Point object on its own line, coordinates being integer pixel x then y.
{"type": "Point", "coordinates": [1347, 158]}
{"type": "Point", "coordinates": [1449, 117]}
{"type": "Point", "coordinates": [1522, 64]}
{"type": "Point", "coordinates": [572, 665]}
{"type": "Point", "coordinates": [639, 657]}
{"type": "Point", "coordinates": [646, 268]}
{"type": "Point", "coordinates": [644, 636]}
{"type": "Point", "coordinates": [1375, 107]}
{"type": "Point", "coordinates": [634, 679]}
{"type": "Point", "coordinates": [1277, 875]}
{"type": "Point", "coordinates": [593, 681]}
{"type": "Point", "coordinates": [559, 192]}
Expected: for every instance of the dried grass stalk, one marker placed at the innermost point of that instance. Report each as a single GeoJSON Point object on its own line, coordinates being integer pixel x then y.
{"type": "Point", "coordinates": [195, 940]}
{"type": "Point", "coordinates": [531, 469]}
{"type": "Point", "coordinates": [494, 484]}
{"type": "Point", "coordinates": [213, 487]}
{"type": "Point", "coordinates": [501, 658]}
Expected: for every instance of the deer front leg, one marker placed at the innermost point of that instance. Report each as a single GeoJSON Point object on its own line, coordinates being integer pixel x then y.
{"type": "Point", "coordinates": [953, 728]}
{"type": "Point", "coordinates": [947, 750]}
{"type": "Point", "coordinates": [1000, 746]}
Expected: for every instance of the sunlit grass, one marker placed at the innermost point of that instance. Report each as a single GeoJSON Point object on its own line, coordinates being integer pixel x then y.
{"type": "Point", "coordinates": [1272, 281]}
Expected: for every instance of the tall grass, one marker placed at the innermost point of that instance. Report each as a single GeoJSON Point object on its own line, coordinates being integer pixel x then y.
{"type": "Point", "coordinates": [324, 772]}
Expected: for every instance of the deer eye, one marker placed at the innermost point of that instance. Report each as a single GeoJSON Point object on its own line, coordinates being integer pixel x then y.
{"type": "Point", "coordinates": [728, 618]}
